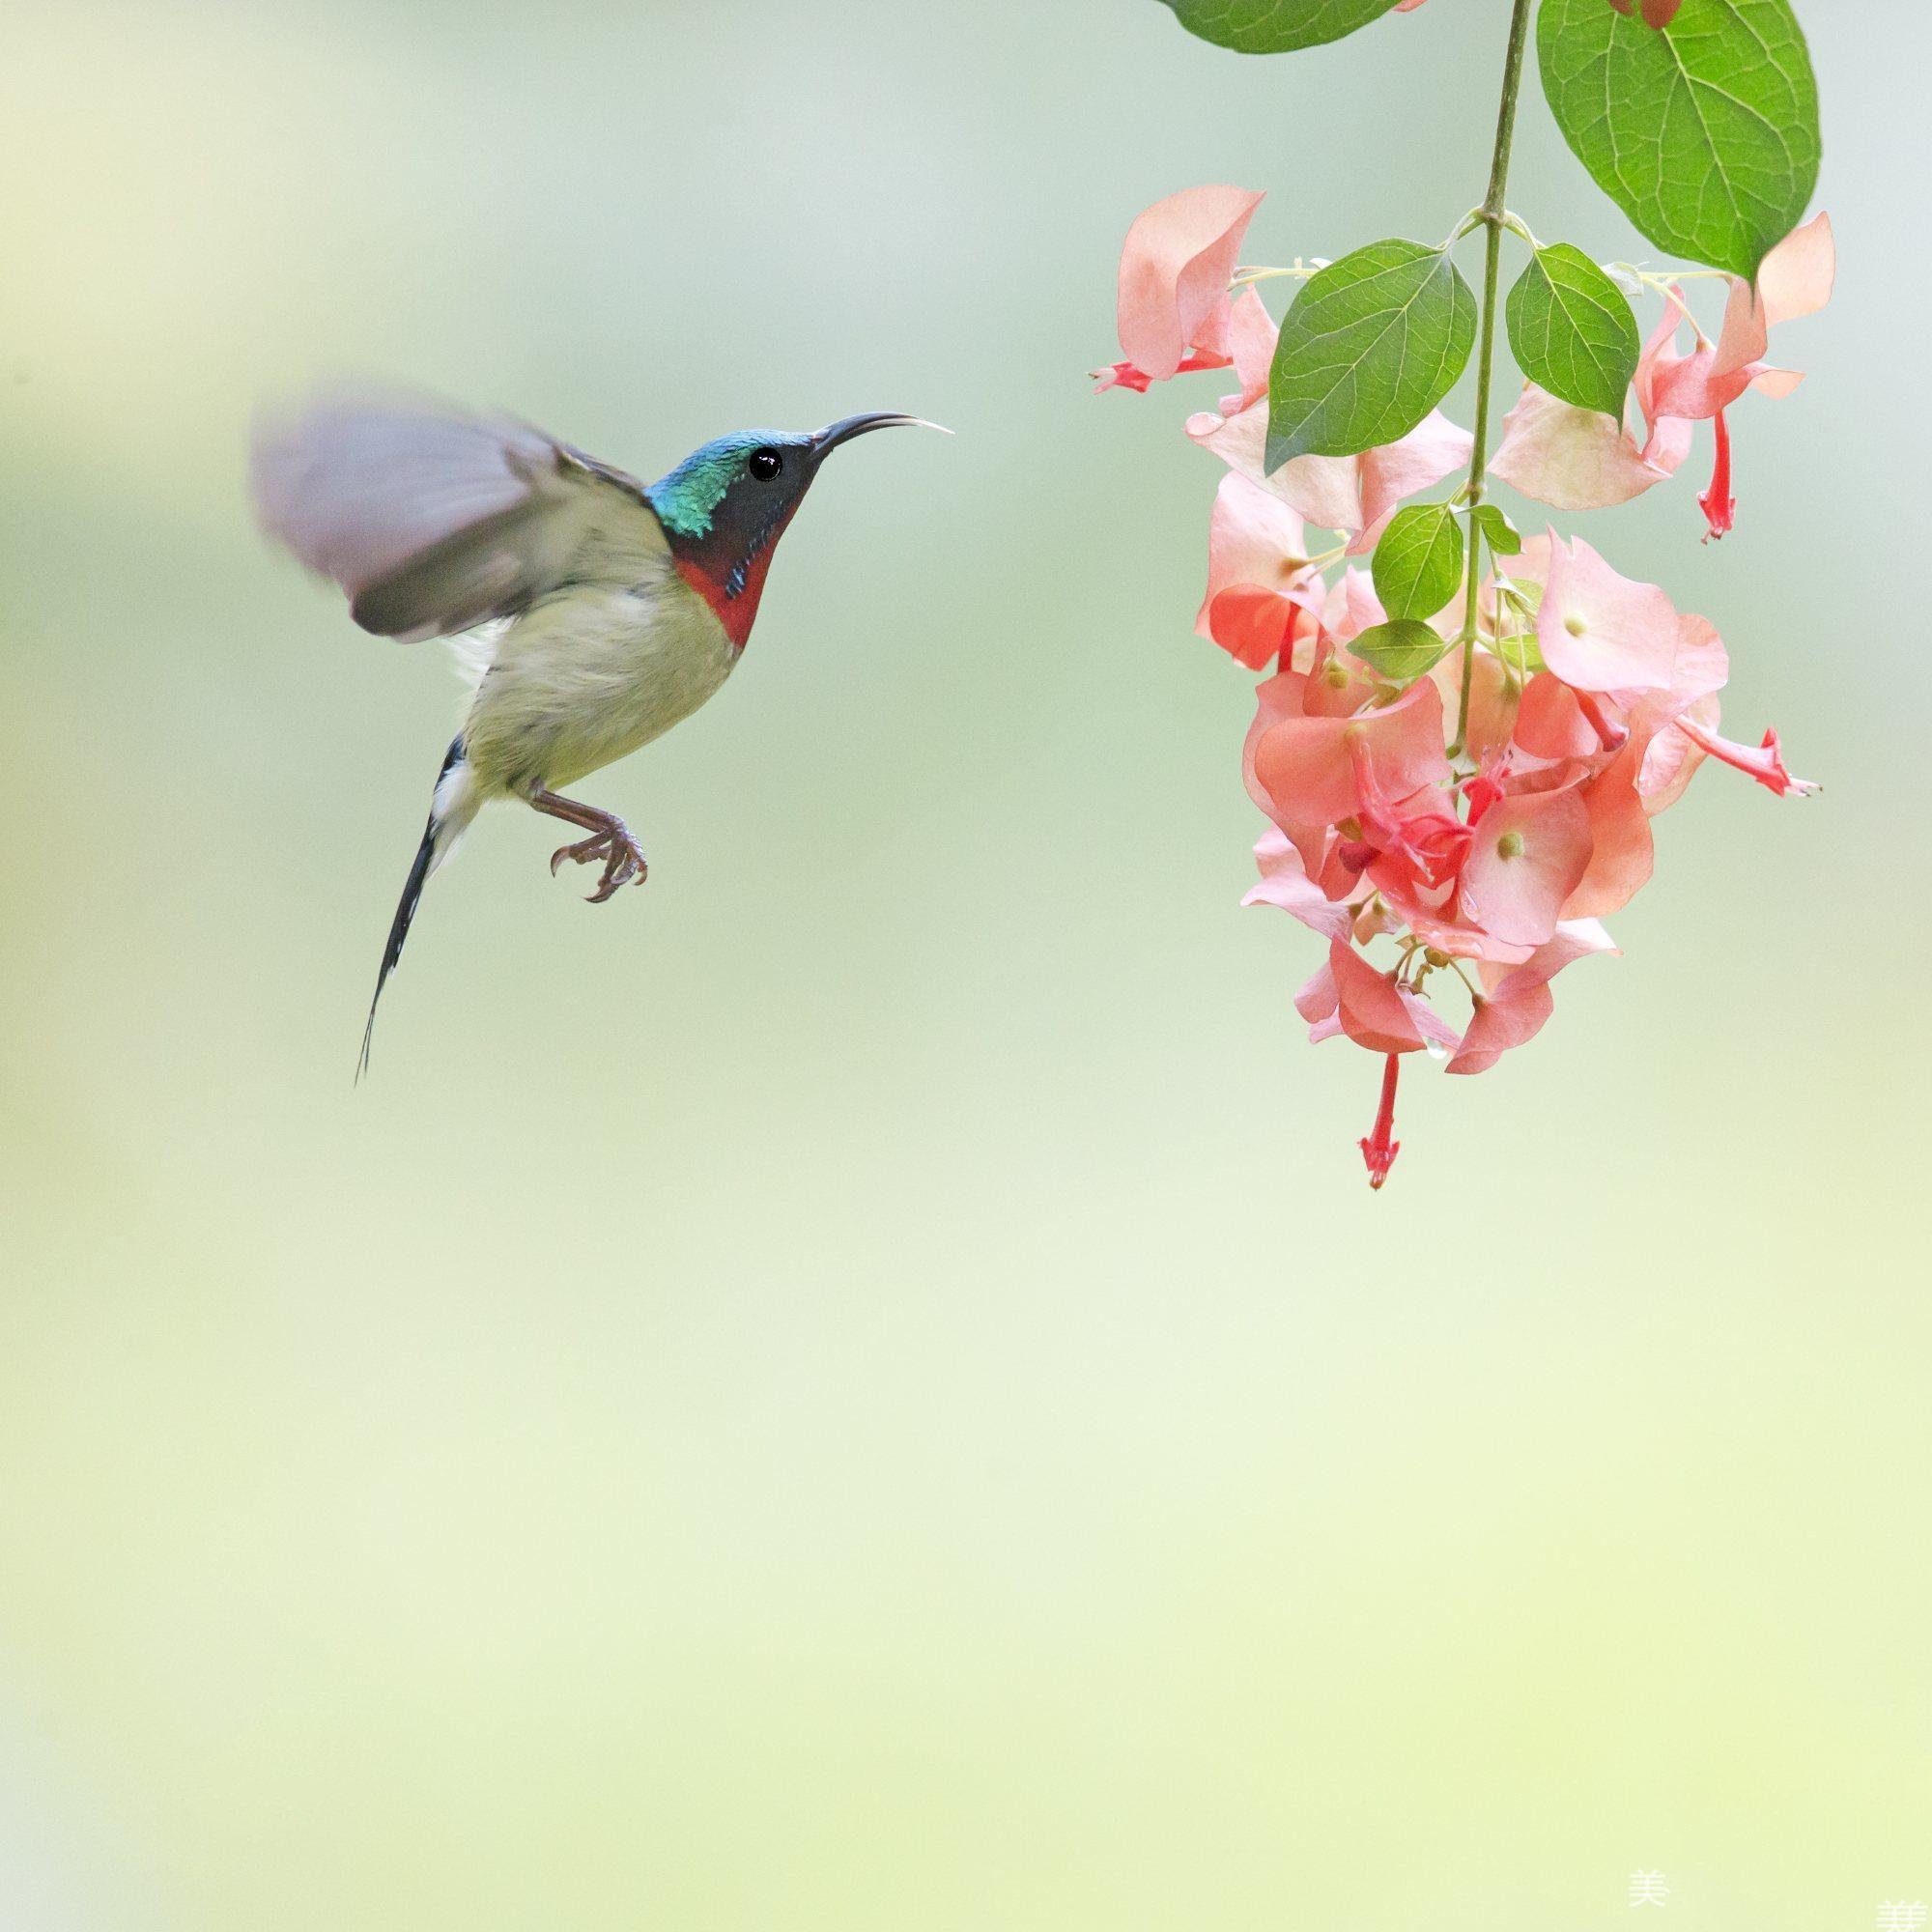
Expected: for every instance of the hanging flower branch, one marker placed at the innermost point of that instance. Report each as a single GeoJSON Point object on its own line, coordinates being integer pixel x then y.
{"type": "Point", "coordinates": [1461, 745]}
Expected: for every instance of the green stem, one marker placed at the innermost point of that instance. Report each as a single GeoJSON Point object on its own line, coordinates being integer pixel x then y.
{"type": "Point", "coordinates": [1495, 216]}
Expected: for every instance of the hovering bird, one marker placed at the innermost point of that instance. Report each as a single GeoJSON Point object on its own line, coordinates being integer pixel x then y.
{"type": "Point", "coordinates": [592, 612]}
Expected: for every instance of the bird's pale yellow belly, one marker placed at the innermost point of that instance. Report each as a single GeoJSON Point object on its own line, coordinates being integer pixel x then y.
{"type": "Point", "coordinates": [588, 675]}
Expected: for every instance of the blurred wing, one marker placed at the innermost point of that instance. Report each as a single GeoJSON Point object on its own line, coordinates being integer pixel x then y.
{"type": "Point", "coordinates": [435, 522]}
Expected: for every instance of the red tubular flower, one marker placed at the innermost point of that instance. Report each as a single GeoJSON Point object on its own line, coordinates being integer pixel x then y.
{"type": "Point", "coordinates": [1379, 1151]}
{"type": "Point", "coordinates": [1718, 505]}
{"type": "Point", "coordinates": [1124, 375]}
{"type": "Point", "coordinates": [1766, 764]}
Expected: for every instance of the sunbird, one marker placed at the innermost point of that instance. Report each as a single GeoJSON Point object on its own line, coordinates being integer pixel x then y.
{"type": "Point", "coordinates": [591, 612]}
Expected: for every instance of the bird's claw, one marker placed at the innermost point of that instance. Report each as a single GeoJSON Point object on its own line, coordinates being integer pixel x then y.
{"type": "Point", "coordinates": [623, 861]}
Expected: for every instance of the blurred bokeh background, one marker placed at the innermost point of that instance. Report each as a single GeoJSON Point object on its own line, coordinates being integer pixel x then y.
{"type": "Point", "coordinates": [862, 1386]}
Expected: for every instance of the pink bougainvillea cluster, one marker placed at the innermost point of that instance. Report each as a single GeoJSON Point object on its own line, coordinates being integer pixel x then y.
{"type": "Point", "coordinates": [1455, 837]}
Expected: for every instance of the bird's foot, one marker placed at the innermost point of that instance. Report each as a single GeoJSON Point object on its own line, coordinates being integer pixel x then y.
{"type": "Point", "coordinates": [622, 860]}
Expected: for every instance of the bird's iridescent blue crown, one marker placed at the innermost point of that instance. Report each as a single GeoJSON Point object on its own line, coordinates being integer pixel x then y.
{"type": "Point", "coordinates": [686, 499]}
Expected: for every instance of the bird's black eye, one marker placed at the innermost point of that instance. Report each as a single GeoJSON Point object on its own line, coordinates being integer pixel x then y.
{"type": "Point", "coordinates": [765, 464]}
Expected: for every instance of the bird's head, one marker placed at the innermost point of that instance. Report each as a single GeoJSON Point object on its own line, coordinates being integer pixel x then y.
{"type": "Point", "coordinates": [724, 507]}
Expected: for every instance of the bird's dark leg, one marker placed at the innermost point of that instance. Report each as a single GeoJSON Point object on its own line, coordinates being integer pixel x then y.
{"type": "Point", "coordinates": [609, 840]}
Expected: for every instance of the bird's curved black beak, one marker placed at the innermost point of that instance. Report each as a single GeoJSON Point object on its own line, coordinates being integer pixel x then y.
{"type": "Point", "coordinates": [848, 427]}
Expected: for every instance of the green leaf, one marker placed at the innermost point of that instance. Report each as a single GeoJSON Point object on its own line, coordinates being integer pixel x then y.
{"type": "Point", "coordinates": [1523, 647]}
{"type": "Point", "coordinates": [1571, 330]}
{"type": "Point", "coordinates": [1525, 597]}
{"type": "Point", "coordinates": [1704, 132]}
{"type": "Point", "coordinates": [1275, 26]}
{"type": "Point", "coordinates": [1371, 344]}
{"type": "Point", "coordinates": [1399, 650]}
{"type": "Point", "coordinates": [1499, 532]}
{"type": "Point", "coordinates": [1420, 561]}
{"type": "Point", "coordinates": [1521, 651]}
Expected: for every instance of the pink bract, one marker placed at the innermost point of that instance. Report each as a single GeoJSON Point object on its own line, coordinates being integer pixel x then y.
{"type": "Point", "coordinates": [1175, 270]}
{"type": "Point", "coordinates": [1603, 632]}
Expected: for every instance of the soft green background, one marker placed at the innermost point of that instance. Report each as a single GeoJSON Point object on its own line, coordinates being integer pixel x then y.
{"type": "Point", "coordinates": [861, 1387]}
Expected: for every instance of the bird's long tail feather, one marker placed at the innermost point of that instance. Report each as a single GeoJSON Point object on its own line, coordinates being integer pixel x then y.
{"type": "Point", "coordinates": [450, 811]}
